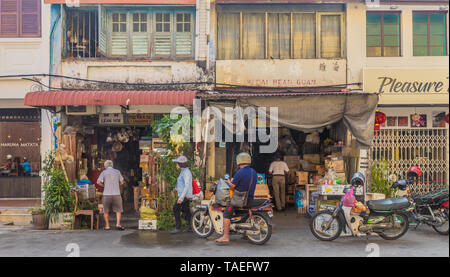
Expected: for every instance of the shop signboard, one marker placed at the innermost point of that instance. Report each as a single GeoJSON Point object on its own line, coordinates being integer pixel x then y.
{"type": "Point", "coordinates": [408, 86]}
{"type": "Point", "coordinates": [140, 119]}
{"type": "Point", "coordinates": [110, 119]}
{"type": "Point", "coordinates": [282, 73]}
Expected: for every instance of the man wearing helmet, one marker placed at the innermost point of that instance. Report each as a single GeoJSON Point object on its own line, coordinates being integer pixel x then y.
{"type": "Point", "coordinates": [244, 180]}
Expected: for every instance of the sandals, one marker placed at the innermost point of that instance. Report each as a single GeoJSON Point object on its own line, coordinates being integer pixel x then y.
{"type": "Point", "coordinates": [106, 229]}
{"type": "Point", "coordinates": [120, 228]}
{"type": "Point", "coordinates": [222, 243]}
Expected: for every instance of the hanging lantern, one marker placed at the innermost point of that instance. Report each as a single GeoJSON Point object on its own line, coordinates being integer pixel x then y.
{"type": "Point", "coordinates": [446, 118]}
{"type": "Point", "coordinates": [415, 117]}
{"type": "Point", "coordinates": [380, 117]}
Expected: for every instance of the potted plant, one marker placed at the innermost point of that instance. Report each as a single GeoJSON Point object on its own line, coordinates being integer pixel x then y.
{"type": "Point", "coordinates": [38, 216]}
{"type": "Point", "coordinates": [59, 200]}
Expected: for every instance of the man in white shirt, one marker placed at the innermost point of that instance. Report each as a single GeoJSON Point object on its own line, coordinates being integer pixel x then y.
{"type": "Point", "coordinates": [279, 169]}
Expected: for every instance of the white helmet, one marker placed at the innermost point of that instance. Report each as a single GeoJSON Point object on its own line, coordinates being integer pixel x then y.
{"type": "Point", "coordinates": [243, 158]}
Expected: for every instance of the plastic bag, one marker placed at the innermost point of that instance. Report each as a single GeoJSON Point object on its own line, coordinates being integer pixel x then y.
{"type": "Point", "coordinates": [147, 213]}
{"type": "Point", "coordinates": [349, 199]}
{"type": "Point", "coordinates": [222, 193]}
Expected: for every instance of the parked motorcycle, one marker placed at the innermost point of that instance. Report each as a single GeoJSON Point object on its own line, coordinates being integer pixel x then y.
{"type": "Point", "coordinates": [255, 222]}
{"type": "Point", "coordinates": [431, 209]}
{"type": "Point", "coordinates": [388, 218]}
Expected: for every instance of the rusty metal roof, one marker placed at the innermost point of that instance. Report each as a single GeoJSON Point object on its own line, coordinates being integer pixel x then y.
{"type": "Point", "coordinates": [93, 97]}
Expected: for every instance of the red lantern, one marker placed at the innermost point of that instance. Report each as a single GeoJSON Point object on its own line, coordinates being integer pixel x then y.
{"type": "Point", "coordinates": [380, 118]}
{"type": "Point", "coordinates": [446, 118]}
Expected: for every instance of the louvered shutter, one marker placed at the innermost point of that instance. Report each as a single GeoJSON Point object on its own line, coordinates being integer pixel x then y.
{"type": "Point", "coordinates": [103, 30]}
{"type": "Point", "coordinates": [30, 18]}
{"type": "Point", "coordinates": [183, 35]}
{"type": "Point", "coordinates": [119, 34]}
{"type": "Point", "coordinates": [163, 36]}
{"type": "Point", "coordinates": [139, 34]}
{"type": "Point", "coordinates": [9, 18]}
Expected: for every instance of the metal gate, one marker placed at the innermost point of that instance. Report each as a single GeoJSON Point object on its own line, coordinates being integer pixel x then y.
{"type": "Point", "coordinates": [426, 148]}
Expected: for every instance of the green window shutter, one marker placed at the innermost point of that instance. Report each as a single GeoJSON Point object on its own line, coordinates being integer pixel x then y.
{"type": "Point", "coordinates": [119, 35]}
{"type": "Point", "coordinates": [139, 34]}
{"type": "Point", "coordinates": [163, 37]}
{"type": "Point", "coordinates": [183, 35]}
{"type": "Point", "coordinates": [373, 35]}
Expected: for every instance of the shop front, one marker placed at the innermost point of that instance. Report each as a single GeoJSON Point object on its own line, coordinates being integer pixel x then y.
{"type": "Point", "coordinates": [20, 134]}
{"type": "Point", "coordinates": [317, 134]}
{"type": "Point", "coordinates": [111, 125]}
{"type": "Point", "coordinates": [414, 103]}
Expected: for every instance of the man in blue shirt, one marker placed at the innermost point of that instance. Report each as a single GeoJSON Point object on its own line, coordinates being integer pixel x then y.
{"type": "Point", "coordinates": [244, 180]}
{"type": "Point", "coordinates": [184, 193]}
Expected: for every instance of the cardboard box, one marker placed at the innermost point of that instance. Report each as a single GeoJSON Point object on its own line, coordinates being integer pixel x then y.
{"type": "Point", "coordinates": [338, 165]}
{"type": "Point", "coordinates": [375, 196]}
{"type": "Point", "coordinates": [148, 225]}
{"type": "Point", "coordinates": [302, 177]}
{"type": "Point", "coordinates": [312, 158]}
{"type": "Point", "coordinates": [320, 170]}
{"type": "Point", "coordinates": [262, 190]}
{"type": "Point", "coordinates": [331, 189]}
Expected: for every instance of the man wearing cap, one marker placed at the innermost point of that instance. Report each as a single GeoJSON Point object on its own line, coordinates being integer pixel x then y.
{"type": "Point", "coordinates": [111, 179]}
{"type": "Point", "coordinates": [184, 191]}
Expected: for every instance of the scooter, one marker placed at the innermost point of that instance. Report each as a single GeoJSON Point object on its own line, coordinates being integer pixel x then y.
{"type": "Point", "coordinates": [431, 209]}
{"type": "Point", "coordinates": [254, 222]}
{"type": "Point", "coordinates": [388, 218]}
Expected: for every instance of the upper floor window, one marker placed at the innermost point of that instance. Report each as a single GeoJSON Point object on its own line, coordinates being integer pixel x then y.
{"type": "Point", "coordinates": [165, 34]}
{"type": "Point", "coordinates": [280, 35]}
{"type": "Point", "coordinates": [383, 34]}
{"type": "Point", "coordinates": [129, 33]}
{"type": "Point", "coordinates": [20, 18]}
{"type": "Point", "coordinates": [429, 30]}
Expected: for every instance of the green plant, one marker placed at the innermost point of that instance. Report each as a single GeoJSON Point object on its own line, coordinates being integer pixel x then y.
{"type": "Point", "coordinates": [168, 169]}
{"type": "Point", "coordinates": [36, 210]}
{"type": "Point", "coordinates": [380, 182]}
{"type": "Point", "coordinates": [58, 195]}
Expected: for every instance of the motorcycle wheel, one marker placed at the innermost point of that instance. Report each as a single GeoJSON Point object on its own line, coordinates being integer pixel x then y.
{"type": "Point", "coordinates": [265, 230]}
{"type": "Point", "coordinates": [317, 223]}
{"type": "Point", "coordinates": [202, 229]}
{"type": "Point", "coordinates": [443, 229]}
{"type": "Point", "coordinates": [403, 229]}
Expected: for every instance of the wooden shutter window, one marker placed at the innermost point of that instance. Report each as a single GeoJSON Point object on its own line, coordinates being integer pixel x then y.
{"type": "Point", "coordinates": [162, 37]}
{"type": "Point", "coordinates": [9, 12]}
{"type": "Point", "coordinates": [30, 17]}
{"type": "Point", "coordinates": [183, 38]}
{"type": "Point", "coordinates": [20, 18]}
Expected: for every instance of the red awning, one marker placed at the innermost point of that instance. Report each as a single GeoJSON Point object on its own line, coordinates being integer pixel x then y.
{"type": "Point", "coordinates": [131, 2]}
{"type": "Point", "coordinates": [95, 97]}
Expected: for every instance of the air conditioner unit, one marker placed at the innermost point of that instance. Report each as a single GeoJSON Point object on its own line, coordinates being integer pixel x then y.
{"type": "Point", "coordinates": [81, 110]}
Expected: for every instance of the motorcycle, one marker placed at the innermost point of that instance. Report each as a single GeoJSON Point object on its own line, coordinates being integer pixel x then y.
{"type": "Point", "coordinates": [254, 222]}
{"type": "Point", "coordinates": [388, 217]}
{"type": "Point", "coordinates": [431, 209]}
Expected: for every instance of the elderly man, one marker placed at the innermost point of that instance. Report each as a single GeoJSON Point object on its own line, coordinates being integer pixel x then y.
{"type": "Point", "coordinates": [111, 179]}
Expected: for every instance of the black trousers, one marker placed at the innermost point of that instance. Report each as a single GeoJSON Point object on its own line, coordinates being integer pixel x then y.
{"type": "Point", "coordinates": [183, 207]}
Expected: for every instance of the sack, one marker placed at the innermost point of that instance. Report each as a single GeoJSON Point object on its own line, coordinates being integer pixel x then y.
{"type": "Point", "coordinates": [349, 199]}
{"type": "Point", "coordinates": [147, 213]}
{"type": "Point", "coordinates": [240, 198]}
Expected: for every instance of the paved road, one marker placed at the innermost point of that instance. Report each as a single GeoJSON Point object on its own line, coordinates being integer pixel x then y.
{"type": "Point", "coordinates": [291, 238]}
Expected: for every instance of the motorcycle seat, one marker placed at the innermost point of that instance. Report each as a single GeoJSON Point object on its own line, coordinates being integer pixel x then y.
{"type": "Point", "coordinates": [388, 204]}
{"type": "Point", "coordinates": [256, 203]}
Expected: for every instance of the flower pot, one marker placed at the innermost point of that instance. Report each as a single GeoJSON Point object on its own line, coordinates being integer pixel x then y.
{"type": "Point", "coordinates": [61, 222]}
{"type": "Point", "coordinates": [39, 221]}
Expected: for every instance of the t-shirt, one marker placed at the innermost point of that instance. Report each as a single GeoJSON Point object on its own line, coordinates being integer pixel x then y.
{"type": "Point", "coordinates": [27, 167]}
{"type": "Point", "coordinates": [242, 180]}
{"type": "Point", "coordinates": [278, 168]}
{"type": "Point", "coordinates": [111, 178]}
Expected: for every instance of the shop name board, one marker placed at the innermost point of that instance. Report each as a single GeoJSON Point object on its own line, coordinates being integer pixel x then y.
{"type": "Point", "coordinates": [407, 81]}
{"type": "Point", "coordinates": [281, 82]}
{"type": "Point", "coordinates": [388, 84]}
{"type": "Point", "coordinates": [106, 118]}
{"type": "Point", "coordinates": [140, 119]}
{"type": "Point", "coordinates": [19, 144]}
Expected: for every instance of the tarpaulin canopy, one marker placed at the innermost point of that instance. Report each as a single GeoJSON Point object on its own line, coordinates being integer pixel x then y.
{"type": "Point", "coordinates": [312, 112]}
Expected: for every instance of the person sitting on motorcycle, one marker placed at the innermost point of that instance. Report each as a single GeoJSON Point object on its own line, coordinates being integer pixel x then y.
{"type": "Point", "coordinates": [241, 182]}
